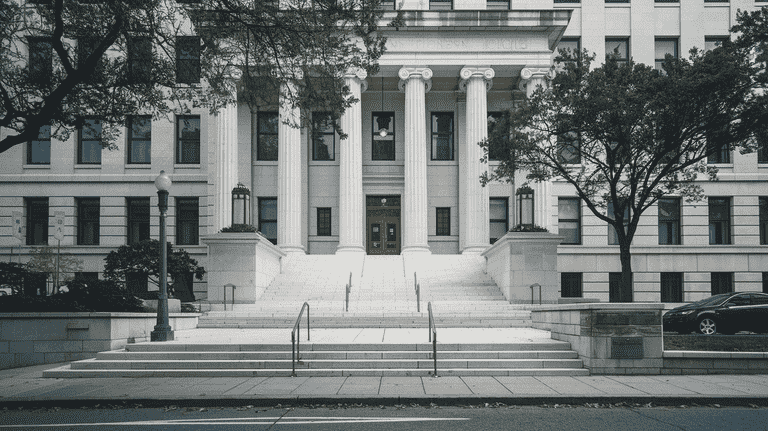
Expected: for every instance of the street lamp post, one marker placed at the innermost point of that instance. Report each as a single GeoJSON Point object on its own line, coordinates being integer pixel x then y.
{"type": "Point", "coordinates": [163, 331]}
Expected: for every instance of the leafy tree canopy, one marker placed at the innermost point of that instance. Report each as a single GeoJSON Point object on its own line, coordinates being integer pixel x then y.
{"type": "Point", "coordinates": [111, 59]}
{"type": "Point", "coordinates": [625, 134]}
{"type": "Point", "coordinates": [43, 259]}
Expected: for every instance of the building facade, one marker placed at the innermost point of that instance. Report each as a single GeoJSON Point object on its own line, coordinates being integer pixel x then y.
{"type": "Point", "coordinates": [406, 179]}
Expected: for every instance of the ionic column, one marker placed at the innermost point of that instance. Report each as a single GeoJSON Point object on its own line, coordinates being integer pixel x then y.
{"type": "Point", "coordinates": [351, 209]}
{"type": "Point", "coordinates": [415, 82]}
{"type": "Point", "coordinates": [224, 174]}
{"type": "Point", "coordinates": [532, 78]}
{"type": "Point", "coordinates": [474, 224]}
{"type": "Point", "coordinates": [289, 190]}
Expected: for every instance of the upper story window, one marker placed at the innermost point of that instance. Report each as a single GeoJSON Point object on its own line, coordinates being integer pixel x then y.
{"type": "Point", "coordinates": [567, 1]}
{"type": "Point", "coordinates": [40, 60]}
{"type": "Point", "coordinates": [719, 220]}
{"type": "Point", "coordinates": [493, 119]}
{"type": "Point", "coordinates": [664, 47]}
{"type": "Point", "coordinates": [440, 4]}
{"type": "Point", "coordinates": [39, 150]}
{"type": "Point", "coordinates": [188, 139]}
{"type": "Point", "coordinates": [85, 47]}
{"type": "Point", "coordinates": [618, 47]}
{"type": "Point", "coordinates": [719, 153]}
{"type": "Point", "coordinates": [89, 142]}
{"type": "Point", "coordinates": [187, 59]}
{"type": "Point", "coordinates": [763, 220]}
{"type": "Point", "coordinates": [139, 59]}
{"type": "Point", "coordinates": [383, 136]}
{"type": "Point", "coordinates": [497, 4]}
{"type": "Point", "coordinates": [387, 4]}
{"type": "Point", "coordinates": [138, 219]}
{"type": "Point", "coordinates": [323, 137]}
{"type": "Point", "coordinates": [267, 124]}
{"type": "Point", "coordinates": [88, 223]}
{"type": "Point", "coordinates": [572, 44]}
{"type": "Point", "coordinates": [37, 221]}
{"type": "Point", "coordinates": [140, 140]}
{"type": "Point", "coordinates": [762, 149]}
{"type": "Point", "coordinates": [669, 221]}
{"type": "Point", "coordinates": [442, 136]}
{"type": "Point", "coordinates": [569, 220]}
{"type": "Point", "coordinates": [712, 42]}
{"type": "Point", "coordinates": [617, 1]}
{"type": "Point", "coordinates": [569, 148]}
{"type": "Point", "coordinates": [613, 236]}
{"type": "Point", "coordinates": [187, 221]}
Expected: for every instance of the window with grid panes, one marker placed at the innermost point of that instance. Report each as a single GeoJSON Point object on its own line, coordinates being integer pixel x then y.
{"type": "Point", "coordinates": [763, 203]}
{"type": "Point", "coordinates": [268, 218]}
{"type": "Point", "coordinates": [187, 59]}
{"type": "Point", "coordinates": [721, 282]}
{"type": "Point", "coordinates": [443, 221]}
{"type": "Point", "coordinates": [138, 219]}
{"type": "Point", "coordinates": [140, 140]}
{"type": "Point", "coordinates": [719, 220]}
{"type": "Point", "coordinates": [187, 221]}
{"type": "Point", "coordinates": [569, 220]}
{"type": "Point", "coordinates": [89, 142]}
{"type": "Point", "coordinates": [618, 48]}
{"type": "Point", "coordinates": [442, 136]}
{"type": "Point", "coordinates": [765, 282]}
{"type": "Point", "coordinates": [188, 139]}
{"type": "Point", "coordinates": [323, 222]}
{"type": "Point", "coordinates": [664, 47]}
{"type": "Point", "coordinates": [40, 59]}
{"type": "Point", "coordinates": [140, 59]}
{"type": "Point", "coordinates": [613, 236]}
{"type": "Point", "coordinates": [614, 287]}
{"type": "Point", "coordinates": [39, 150]}
{"type": "Point", "coordinates": [571, 44]}
{"type": "Point", "coordinates": [267, 124]}
{"type": "Point", "coordinates": [497, 4]}
{"type": "Point", "coordinates": [671, 287]}
{"type": "Point", "coordinates": [383, 145]}
{"type": "Point", "coordinates": [499, 218]}
{"type": "Point", "coordinates": [669, 221]}
{"type": "Point", "coordinates": [85, 47]}
{"type": "Point", "coordinates": [37, 221]}
{"type": "Point", "coordinates": [762, 148]}
{"type": "Point", "coordinates": [571, 285]}
{"type": "Point", "coordinates": [323, 137]}
{"type": "Point", "coordinates": [440, 4]}
{"type": "Point", "coordinates": [88, 223]}
{"type": "Point", "coordinates": [718, 152]}
{"type": "Point", "coordinates": [569, 148]}
{"type": "Point", "coordinates": [712, 42]}
{"type": "Point", "coordinates": [493, 119]}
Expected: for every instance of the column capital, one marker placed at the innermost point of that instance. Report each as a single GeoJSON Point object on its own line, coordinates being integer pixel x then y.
{"type": "Point", "coordinates": [423, 73]}
{"type": "Point", "coordinates": [360, 74]}
{"type": "Point", "coordinates": [484, 73]}
{"type": "Point", "coordinates": [529, 74]}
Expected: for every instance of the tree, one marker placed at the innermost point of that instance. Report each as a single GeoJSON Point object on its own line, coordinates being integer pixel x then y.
{"type": "Point", "coordinates": [625, 135]}
{"type": "Point", "coordinates": [144, 258]}
{"type": "Point", "coordinates": [64, 60]}
{"type": "Point", "coordinates": [43, 259]}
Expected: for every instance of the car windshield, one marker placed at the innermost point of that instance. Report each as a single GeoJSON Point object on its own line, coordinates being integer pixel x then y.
{"type": "Point", "coordinates": [715, 300]}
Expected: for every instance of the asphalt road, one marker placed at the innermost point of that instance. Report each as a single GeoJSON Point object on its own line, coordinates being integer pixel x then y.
{"type": "Point", "coordinates": [448, 418]}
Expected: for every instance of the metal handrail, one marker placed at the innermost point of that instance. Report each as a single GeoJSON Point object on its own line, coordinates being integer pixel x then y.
{"type": "Point", "coordinates": [295, 347]}
{"type": "Point", "coordinates": [432, 336]}
{"type": "Point", "coordinates": [417, 287]}
{"type": "Point", "coordinates": [349, 289]}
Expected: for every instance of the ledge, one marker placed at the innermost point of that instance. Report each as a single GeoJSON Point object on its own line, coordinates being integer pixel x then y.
{"type": "Point", "coordinates": [81, 315]}
{"type": "Point", "coordinates": [480, 19]}
{"type": "Point", "coordinates": [601, 306]}
{"type": "Point", "coordinates": [686, 354]}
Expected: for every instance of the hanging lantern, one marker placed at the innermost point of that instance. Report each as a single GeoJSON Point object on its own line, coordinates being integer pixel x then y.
{"type": "Point", "coordinates": [241, 205]}
{"type": "Point", "coordinates": [525, 206]}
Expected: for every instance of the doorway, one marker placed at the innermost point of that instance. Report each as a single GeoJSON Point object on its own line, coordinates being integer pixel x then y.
{"type": "Point", "coordinates": [382, 224]}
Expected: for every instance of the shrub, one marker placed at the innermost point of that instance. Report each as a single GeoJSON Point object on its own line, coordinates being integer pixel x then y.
{"type": "Point", "coordinates": [528, 228]}
{"type": "Point", "coordinates": [239, 228]}
{"type": "Point", "coordinates": [83, 296]}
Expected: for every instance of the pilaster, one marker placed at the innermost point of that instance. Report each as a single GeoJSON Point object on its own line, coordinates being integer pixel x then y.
{"type": "Point", "coordinates": [225, 173]}
{"type": "Point", "coordinates": [289, 193]}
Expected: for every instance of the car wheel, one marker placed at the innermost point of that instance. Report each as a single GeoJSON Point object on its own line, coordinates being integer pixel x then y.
{"type": "Point", "coordinates": [707, 326]}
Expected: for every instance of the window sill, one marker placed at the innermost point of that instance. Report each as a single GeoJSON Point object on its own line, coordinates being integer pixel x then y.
{"type": "Point", "coordinates": [189, 166]}
{"type": "Point", "coordinates": [40, 166]}
{"type": "Point", "coordinates": [323, 163]}
{"type": "Point", "coordinates": [442, 162]}
{"type": "Point", "coordinates": [265, 163]}
{"type": "Point", "coordinates": [142, 166]}
{"type": "Point", "coordinates": [88, 166]}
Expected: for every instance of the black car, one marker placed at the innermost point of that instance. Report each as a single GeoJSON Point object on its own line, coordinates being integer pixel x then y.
{"type": "Point", "coordinates": [727, 313]}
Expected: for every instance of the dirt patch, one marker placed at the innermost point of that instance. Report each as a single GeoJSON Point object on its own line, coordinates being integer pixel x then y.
{"type": "Point", "coordinates": [717, 343]}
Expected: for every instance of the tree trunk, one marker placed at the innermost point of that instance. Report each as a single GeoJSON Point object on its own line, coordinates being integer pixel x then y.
{"type": "Point", "coordinates": [626, 273]}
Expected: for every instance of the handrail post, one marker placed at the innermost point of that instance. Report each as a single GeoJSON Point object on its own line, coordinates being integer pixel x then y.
{"type": "Point", "coordinates": [417, 287]}
{"type": "Point", "coordinates": [296, 341]}
{"type": "Point", "coordinates": [293, 355]}
{"type": "Point", "coordinates": [432, 336]}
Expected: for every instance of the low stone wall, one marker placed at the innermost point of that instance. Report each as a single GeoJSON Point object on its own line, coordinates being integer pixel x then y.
{"type": "Point", "coordinates": [691, 362]}
{"type": "Point", "coordinates": [45, 338]}
{"type": "Point", "coordinates": [609, 338]}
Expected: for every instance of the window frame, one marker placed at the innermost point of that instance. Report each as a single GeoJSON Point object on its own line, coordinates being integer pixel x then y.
{"type": "Point", "coordinates": [491, 221]}
{"type": "Point", "coordinates": [376, 137]}
{"type": "Point", "coordinates": [263, 220]}
{"type": "Point", "coordinates": [264, 154]}
{"type": "Point", "coordinates": [497, 4]}
{"type": "Point", "coordinates": [721, 156]}
{"type": "Point", "coordinates": [37, 220]}
{"type": "Point", "coordinates": [719, 281]}
{"type": "Point", "coordinates": [671, 286]}
{"type": "Point", "coordinates": [610, 213]}
{"type": "Point", "coordinates": [563, 144]}
{"type": "Point", "coordinates": [138, 225]}
{"type": "Point", "coordinates": [437, 135]}
{"type": "Point", "coordinates": [725, 228]}
{"type": "Point", "coordinates": [188, 215]}
{"type": "Point", "coordinates": [564, 220]}
{"type": "Point", "coordinates": [133, 140]}
{"type": "Point", "coordinates": [324, 221]}
{"type": "Point", "coordinates": [574, 281]}
{"type": "Point", "coordinates": [763, 219]}
{"type": "Point", "coordinates": [624, 40]}
{"type": "Point", "coordinates": [39, 61]}
{"type": "Point", "coordinates": [84, 223]}
{"type": "Point", "coordinates": [443, 221]}
{"type": "Point", "coordinates": [658, 62]}
{"type": "Point", "coordinates": [188, 64]}
{"type": "Point", "coordinates": [140, 60]}
{"type": "Point", "coordinates": [328, 130]}
{"type": "Point", "coordinates": [491, 117]}
{"type": "Point", "coordinates": [675, 223]}
{"type": "Point", "coordinates": [41, 141]}
{"type": "Point", "coordinates": [183, 143]}
{"type": "Point", "coordinates": [440, 4]}
{"type": "Point", "coordinates": [94, 145]}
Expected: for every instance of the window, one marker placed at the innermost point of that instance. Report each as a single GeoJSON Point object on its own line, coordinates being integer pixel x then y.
{"type": "Point", "coordinates": [712, 42]}
{"type": "Point", "coordinates": [40, 60]}
{"type": "Point", "coordinates": [37, 221]}
{"type": "Point", "coordinates": [765, 282]}
{"type": "Point", "coordinates": [89, 142]}
{"type": "Point", "coordinates": [39, 150]}
{"type": "Point", "coordinates": [497, 5]}
{"type": "Point", "coordinates": [499, 218]}
{"type": "Point", "coordinates": [187, 221]}
{"type": "Point", "coordinates": [88, 221]}
{"type": "Point", "coordinates": [571, 285]}
{"type": "Point", "coordinates": [85, 48]}
{"type": "Point", "coordinates": [140, 140]}
{"type": "Point", "coordinates": [323, 137]}
{"type": "Point", "coordinates": [138, 219]}
{"type": "Point", "coordinates": [719, 220]}
{"type": "Point", "coordinates": [188, 139]}
{"type": "Point", "coordinates": [762, 149]}
{"type": "Point", "coordinates": [721, 282]}
{"type": "Point", "coordinates": [440, 4]}
{"type": "Point", "coordinates": [187, 60]}
{"type": "Point", "coordinates": [140, 60]}
{"type": "Point", "coordinates": [383, 145]}
{"type": "Point", "coordinates": [663, 48]}
{"type": "Point", "coordinates": [569, 148]}
{"type": "Point", "coordinates": [569, 220]}
{"type": "Point", "coordinates": [442, 136]}
{"type": "Point", "coordinates": [618, 48]}
{"type": "Point", "coordinates": [443, 221]}
{"type": "Point", "coordinates": [718, 153]}
{"type": "Point", "coordinates": [267, 124]}
{"type": "Point", "coordinates": [572, 44]}
{"type": "Point", "coordinates": [613, 236]}
{"type": "Point", "coordinates": [323, 222]}
{"type": "Point", "coordinates": [763, 220]}
{"type": "Point", "coordinates": [614, 288]}
{"type": "Point", "coordinates": [669, 221]}
{"type": "Point", "coordinates": [671, 287]}
{"type": "Point", "coordinates": [617, 1]}
{"type": "Point", "coordinates": [567, 1]}
{"type": "Point", "coordinates": [268, 218]}
{"type": "Point", "coordinates": [493, 119]}
{"type": "Point", "coordinates": [387, 4]}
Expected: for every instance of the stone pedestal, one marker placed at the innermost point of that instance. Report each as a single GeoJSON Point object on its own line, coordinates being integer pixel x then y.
{"type": "Point", "coordinates": [247, 261]}
{"type": "Point", "coordinates": [519, 260]}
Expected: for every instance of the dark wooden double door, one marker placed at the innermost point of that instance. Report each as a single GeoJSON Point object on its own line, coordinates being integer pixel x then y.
{"type": "Point", "coordinates": [383, 224]}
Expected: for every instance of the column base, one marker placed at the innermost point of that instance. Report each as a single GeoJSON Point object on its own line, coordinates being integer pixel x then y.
{"type": "Point", "coordinates": [350, 250]}
{"type": "Point", "coordinates": [293, 249]}
{"type": "Point", "coordinates": [418, 250]}
{"type": "Point", "coordinates": [475, 249]}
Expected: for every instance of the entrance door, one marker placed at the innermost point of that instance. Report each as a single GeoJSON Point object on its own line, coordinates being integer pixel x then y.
{"type": "Point", "coordinates": [383, 224]}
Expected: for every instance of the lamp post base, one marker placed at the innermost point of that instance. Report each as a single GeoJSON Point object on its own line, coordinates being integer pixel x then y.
{"type": "Point", "coordinates": [161, 333]}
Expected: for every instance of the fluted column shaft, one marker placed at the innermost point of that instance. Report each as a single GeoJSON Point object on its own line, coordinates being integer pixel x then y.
{"type": "Point", "coordinates": [351, 209]}
{"type": "Point", "coordinates": [415, 82]}
{"type": "Point", "coordinates": [226, 163]}
{"type": "Point", "coordinates": [474, 215]}
{"type": "Point", "coordinates": [289, 192]}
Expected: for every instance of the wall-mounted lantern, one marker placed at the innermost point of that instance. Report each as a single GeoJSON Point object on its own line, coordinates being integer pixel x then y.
{"type": "Point", "coordinates": [525, 205]}
{"type": "Point", "coordinates": [241, 205]}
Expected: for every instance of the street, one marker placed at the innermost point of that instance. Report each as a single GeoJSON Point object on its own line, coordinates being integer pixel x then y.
{"type": "Point", "coordinates": [398, 417]}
